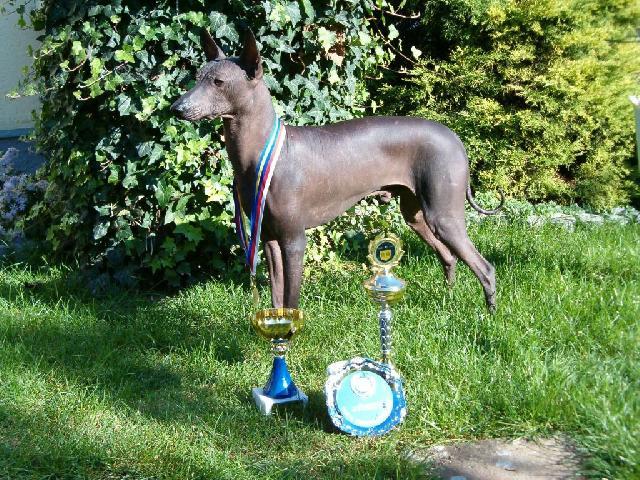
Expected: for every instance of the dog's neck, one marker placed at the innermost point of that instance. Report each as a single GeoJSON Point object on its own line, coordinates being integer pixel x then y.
{"type": "Point", "coordinates": [246, 133]}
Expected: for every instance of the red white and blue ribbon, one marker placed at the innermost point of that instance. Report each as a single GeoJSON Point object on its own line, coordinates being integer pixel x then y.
{"type": "Point", "coordinates": [264, 171]}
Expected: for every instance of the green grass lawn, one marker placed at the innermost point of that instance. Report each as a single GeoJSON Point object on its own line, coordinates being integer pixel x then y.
{"type": "Point", "coordinates": [134, 386]}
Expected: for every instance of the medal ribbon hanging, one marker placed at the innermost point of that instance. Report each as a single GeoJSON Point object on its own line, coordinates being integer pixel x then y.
{"type": "Point", "coordinates": [264, 171]}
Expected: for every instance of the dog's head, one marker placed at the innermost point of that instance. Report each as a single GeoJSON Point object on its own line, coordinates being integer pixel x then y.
{"type": "Point", "coordinates": [224, 86]}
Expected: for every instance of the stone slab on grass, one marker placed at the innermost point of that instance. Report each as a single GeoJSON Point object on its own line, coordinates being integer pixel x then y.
{"type": "Point", "coordinates": [544, 459]}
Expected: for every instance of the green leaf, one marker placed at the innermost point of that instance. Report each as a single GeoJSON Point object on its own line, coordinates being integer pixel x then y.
{"type": "Point", "coordinates": [138, 43]}
{"type": "Point", "coordinates": [192, 233]}
{"type": "Point", "coordinates": [78, 51]}
{"type": "Point", "coordinates": [96, 67]}
{"type": "Point", "coordinates": [145, 148]}
{"type": "Point", "coordinates": [124, 56]}
{"type": "Point", "coordinates": [308, 11]}
{"type": "Point", "coordinates": [163, 194]}
{"type": "Point", "coordinates": [100, 230]}
{"type": "Point", "coordinates": [393, 32]}
{"type": "Point", "coordinates": [169, 216]}
{"type": "Point", "coordinates": [103, 210]}
{"type": "Point", "coordinates": [333, 76]}
{"type": "Point", "coordinates": [113, 175]}
{"type": "Point", "coordinates": [156, 153]}
{"type": "Point", "coordinates": [124, 105]}
{"type": "Point", "coordinates": [326, 38]}
{"type": "Point", "coordinates": [148, 32]}
{"type": "Point", "coordinates": [130, 181]}
{"type": "Point", "coordinates": [182, 203]}
{"type": "Point", "coordinates": [293, 12]}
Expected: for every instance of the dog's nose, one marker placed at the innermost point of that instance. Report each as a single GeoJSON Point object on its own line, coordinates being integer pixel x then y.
{"type": "Point", "coordinates": [177, 107]}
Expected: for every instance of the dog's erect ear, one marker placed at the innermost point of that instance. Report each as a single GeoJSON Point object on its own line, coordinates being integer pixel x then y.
{"type": "Point", "coordinates": [250, 57]}
{"type": "Point", "coordinates": [211, 50]}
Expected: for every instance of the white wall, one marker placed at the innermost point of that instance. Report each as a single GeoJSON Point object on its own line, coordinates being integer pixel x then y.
{"type": "Point", "coordinates": [14, 114]}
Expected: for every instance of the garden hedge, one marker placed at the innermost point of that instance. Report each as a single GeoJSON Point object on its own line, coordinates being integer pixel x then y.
{"type": "Point", "coordinates": [537, 90]}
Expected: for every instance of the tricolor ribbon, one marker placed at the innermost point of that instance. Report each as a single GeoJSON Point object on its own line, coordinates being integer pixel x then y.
{"type": "Point", "coordinates": [264, 171]}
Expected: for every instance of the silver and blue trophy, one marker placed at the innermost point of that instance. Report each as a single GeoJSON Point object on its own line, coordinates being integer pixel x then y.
{"type": "Point", "coordinates": [365, 397]}
{"type": "Point", "coordinates": [279, 326]}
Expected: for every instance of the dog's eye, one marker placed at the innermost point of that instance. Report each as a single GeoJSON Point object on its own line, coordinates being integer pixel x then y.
{"type": "Point", "coordinates": [218, 82]}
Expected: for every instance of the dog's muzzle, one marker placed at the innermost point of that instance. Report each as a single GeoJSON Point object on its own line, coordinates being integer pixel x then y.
{"type": "Point", "coordinates": [189, 111]}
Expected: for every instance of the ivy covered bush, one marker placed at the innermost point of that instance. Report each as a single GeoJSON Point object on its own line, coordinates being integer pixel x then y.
{"type": "Point", "coordinates": [537, 90]}
{"type": "Point", "coordinates": [130, 187]}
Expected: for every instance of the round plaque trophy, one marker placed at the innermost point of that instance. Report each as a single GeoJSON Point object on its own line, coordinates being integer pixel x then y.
{"type": "Point", "coordinates": [278, 325]}
{"type": "Point", "coordinates": [365, 397]}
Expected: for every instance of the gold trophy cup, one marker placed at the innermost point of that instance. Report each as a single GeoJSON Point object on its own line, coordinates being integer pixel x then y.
{"type": "Point", "coordinates": [279, 326]}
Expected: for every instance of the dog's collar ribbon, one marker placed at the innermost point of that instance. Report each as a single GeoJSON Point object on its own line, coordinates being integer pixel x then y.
{"type": "Point", "coordinates": [264, 171]}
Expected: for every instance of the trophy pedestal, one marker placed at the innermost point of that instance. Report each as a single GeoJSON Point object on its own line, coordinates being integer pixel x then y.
{"type": "Point", "coordinates": [266, 403]}
{"type": "Point", "coordinates": [279, 389]}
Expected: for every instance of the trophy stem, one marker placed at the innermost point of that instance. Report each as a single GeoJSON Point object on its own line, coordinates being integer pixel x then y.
{"type": "Point", "coordinates": [280, 385]}
{"type": "Point", "coordinates": [385, 318]}
{"type": "Point", "coordinates": [279, 347]}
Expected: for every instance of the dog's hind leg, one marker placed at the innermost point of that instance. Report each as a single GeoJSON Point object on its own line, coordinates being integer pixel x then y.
{"type": "Point", "coordinates": [451, 230]}
{"type": "Point", "coordinates": [276, 275]}
{"type": "Point", "coordinates": [412, 213]}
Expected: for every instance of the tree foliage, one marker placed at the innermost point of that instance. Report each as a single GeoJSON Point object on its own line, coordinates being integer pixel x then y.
{"type": "Point", "coordinates": [537, 90]}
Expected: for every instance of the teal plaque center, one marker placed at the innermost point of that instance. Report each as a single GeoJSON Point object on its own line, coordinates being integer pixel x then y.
{"type": "Point", "coordinates": [365, 398]}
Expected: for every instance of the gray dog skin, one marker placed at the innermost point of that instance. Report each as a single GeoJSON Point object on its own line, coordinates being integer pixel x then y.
{"type": "Point", "coordinates": [322, 171]}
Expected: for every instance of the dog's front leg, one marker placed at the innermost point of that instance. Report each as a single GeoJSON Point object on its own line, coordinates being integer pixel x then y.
{"type": "Point", "coordinates": [293, 258]}
{"type": "Point", "coordinates": [276, 278]}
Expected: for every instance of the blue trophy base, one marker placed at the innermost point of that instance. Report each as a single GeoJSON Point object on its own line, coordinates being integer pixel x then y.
{"type": "Point", "coordinates": [279, 389]}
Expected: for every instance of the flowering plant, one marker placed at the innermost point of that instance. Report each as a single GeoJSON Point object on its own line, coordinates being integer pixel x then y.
{"type": "Point", "coordinates": [17, 192]}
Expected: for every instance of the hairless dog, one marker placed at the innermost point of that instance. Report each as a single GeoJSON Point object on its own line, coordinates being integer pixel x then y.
{"type": "Point", "coordinates": [324, 170]}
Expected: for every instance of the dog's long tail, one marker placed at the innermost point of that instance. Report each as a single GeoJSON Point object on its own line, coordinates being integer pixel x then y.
{"type": "Point", "coordinates": [478, 208]}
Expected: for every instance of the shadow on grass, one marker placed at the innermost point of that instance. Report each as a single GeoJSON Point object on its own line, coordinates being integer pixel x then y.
{"type": "Point", "coordinates": [43, 445]}
{"type": "Point", "coordinates": [125, 345]}
{"type": "Point", "coordinates": [46, 446]}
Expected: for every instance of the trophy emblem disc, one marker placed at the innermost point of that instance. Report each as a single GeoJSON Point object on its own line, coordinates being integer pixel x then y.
{"type": "Point", "coordinates": [364, 397]}
{"type": "Point", "coordinates": [385, 251]}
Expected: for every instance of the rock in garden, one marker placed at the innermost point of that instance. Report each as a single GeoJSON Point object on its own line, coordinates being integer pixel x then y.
{"type": "Point", "coordinates": [495, 459]}
{"type": "Point", "coordinates": [617, 218]}
{"type": "Point", "coordinates": [536, 220]}
{"type": "Point", "coordinates": [590, 218]}
{"type": "Point", "coordinates": [564, 220]}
